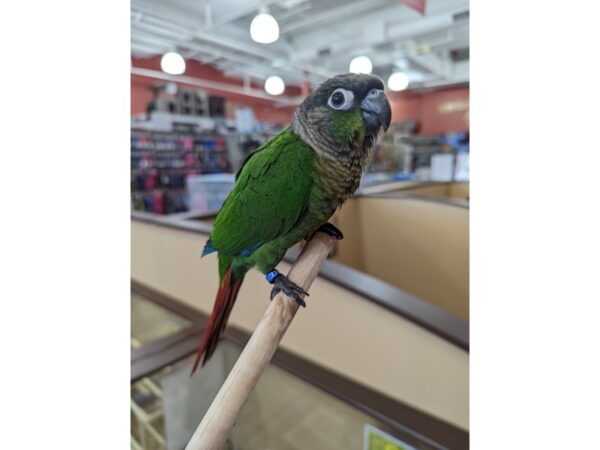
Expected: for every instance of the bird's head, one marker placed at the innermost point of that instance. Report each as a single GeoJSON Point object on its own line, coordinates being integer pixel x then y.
{"type": "Point", "coordinates": [346, 113]}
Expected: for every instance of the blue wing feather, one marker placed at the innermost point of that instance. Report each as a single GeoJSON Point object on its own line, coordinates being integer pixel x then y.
{"type": "Point", "coordinates": [248, 252]}
{"type": "Point", "coordinates": [208, 248]}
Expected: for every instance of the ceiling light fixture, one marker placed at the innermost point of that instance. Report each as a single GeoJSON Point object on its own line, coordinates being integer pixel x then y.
{"type": "Point", "coordinates": [361, 64]}
{"type": "Point", "coordinates": [172, 63]}
{"type": "Point", "coordinates": [171, 88]}
{"type": "Point", "coordinates": [398, 81]}
{"type": "Point", "coordinates": [274, 85]}
{"type": "Point", "coordinates": [264, 29]}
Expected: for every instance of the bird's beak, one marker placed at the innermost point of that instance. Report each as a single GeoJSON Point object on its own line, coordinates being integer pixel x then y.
{"type": "Point", "coordinates": [376, 111]}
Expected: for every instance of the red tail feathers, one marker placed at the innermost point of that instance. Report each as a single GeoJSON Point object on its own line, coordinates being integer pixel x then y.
{"type": "Point", "coordinates": [226, 296]}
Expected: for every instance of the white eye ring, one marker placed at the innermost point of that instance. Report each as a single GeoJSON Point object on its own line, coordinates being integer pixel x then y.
{"type": "Point", "coordinates": [348, 99]}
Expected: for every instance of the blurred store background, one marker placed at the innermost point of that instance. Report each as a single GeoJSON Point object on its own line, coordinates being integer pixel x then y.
{"type": "Point", "coordinates": [233, 93]}
{"type": "Point", "coordinates": [210, 82]}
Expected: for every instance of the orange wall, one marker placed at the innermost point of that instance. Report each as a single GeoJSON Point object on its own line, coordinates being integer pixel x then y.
{"type": "Point", "coordinates": [264, 110]}
{"type": "Point", "coordinates": [405, 108]}
{"type": "Point", "coordinates": [424, 108]}
{"type": "Point", "coordinates": [141, 95]}
{"type": "Point", "coordinates": [431, 110]}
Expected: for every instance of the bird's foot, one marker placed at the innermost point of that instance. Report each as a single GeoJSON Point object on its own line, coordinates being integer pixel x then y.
{"type": "Point", "coordinates": [331, 230]}
{"type": "Point", "coordinates": [281, 283]}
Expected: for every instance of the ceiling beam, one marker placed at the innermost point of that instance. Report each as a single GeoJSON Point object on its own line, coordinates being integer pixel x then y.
{"type": "Point", "coordinates": [242, 60]}
{"type": "Point", "coordinates": [430, 62]}
{"type": "Point", "coordinates": [393, 30]}
{"type": "Point", "coordinates": [143, 48]}
{"type": "Point", "coordinates": [179, 30]}
{"type": "Point", "coordinates": [333, 14]}
{"type": "Point", "coordinates": [240, 11]}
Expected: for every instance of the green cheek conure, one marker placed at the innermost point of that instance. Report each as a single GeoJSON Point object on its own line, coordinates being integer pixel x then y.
{"type": "Point", "coordinates": [291, 186]}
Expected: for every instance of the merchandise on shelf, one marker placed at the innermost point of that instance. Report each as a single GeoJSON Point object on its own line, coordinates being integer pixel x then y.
{"type": "Point", "coordinates": [161, 162]}
{"type": "Point", "coordinates": [404, 155]}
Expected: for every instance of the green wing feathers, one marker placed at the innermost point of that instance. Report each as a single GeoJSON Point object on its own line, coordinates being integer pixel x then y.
{"type": "Point", "coordinates": [269, 196]}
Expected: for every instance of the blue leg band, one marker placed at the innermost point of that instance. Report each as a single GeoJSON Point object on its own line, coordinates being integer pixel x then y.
{"type": "Point", "coordinates": [273, 275]}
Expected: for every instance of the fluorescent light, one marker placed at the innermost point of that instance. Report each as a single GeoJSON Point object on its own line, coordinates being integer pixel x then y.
{"type": "Point", "coordinates": [264, 29]}
{"type": "Point", "coordinates": [172, 63]}
{"type": "Point", "coordinates": [274, 85]}
{"type": "Point", "coordinates": [398, 81]}
{"type": "Point", "coordinates": [361, 64]}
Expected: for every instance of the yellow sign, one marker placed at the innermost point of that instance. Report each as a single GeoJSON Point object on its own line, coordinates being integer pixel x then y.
{"type": "Point", "coordinates": [375, 439]}
{"type": "Point", "coordinates": [453, 106]}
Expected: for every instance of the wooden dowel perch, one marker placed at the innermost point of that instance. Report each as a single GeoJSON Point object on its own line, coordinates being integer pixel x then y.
{"type": "Point", "coordinates": [216, 425]}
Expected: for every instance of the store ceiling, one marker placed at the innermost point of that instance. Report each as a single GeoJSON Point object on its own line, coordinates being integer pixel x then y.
{"type": "Point", "coordinates": [318, 38]}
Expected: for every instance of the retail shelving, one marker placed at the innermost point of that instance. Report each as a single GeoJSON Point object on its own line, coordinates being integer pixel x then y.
{"type": "Point", "coordinates": [161, 161]}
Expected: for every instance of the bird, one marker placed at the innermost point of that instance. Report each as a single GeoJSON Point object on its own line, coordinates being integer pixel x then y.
{"type": "Point", "coordinates": [289, 188]}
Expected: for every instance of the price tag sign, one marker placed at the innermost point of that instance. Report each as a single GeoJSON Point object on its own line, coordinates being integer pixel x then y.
{"type": "Point", "coordinates": [375, 439]}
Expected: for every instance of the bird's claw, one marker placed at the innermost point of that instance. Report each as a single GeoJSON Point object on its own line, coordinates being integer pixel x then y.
{"type": "Point", "coordinates": [331, 230]}
{"type": "Point", "coordinates": [289, 288]}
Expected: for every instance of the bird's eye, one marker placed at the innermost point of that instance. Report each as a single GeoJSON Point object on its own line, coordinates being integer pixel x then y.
{"type": "Point", "coordinates": [341, 99]}
{"type": "Point", "coordinates": [337, 99]}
